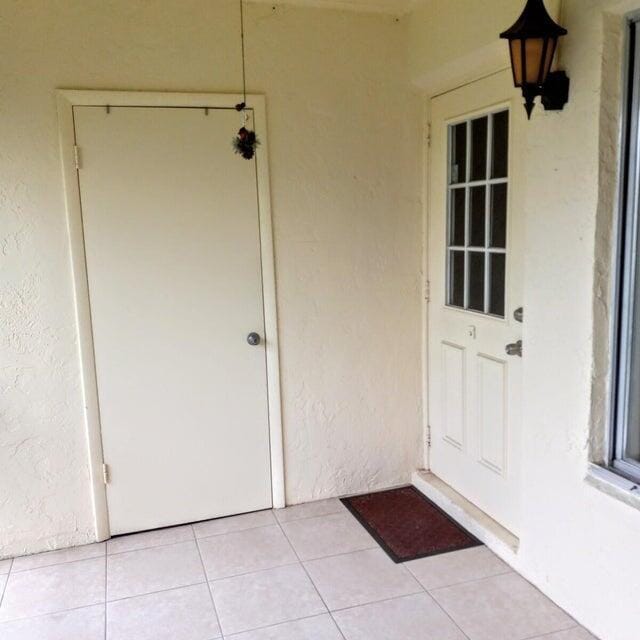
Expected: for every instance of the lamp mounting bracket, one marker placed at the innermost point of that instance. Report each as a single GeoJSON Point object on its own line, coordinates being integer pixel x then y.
{"type": "Point", "coordinates": [555, 91]}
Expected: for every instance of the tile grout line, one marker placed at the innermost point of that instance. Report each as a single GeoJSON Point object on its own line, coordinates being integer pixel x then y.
{"type": "Point", "coordinates": [317, 590]}
{"type": "Point", "coordinates": [337, 555]}
{"type": "Point", "coordinates": [50, 613]}
{"type": "Point", "coordinates": [249, 573]}
{"type": "Point", "coordinates": [446, 613]}
{"type": "Point", "coordinates": [6, 584]}
{"type": "Point", "coordinates": [162, 544]}
{"type": "Point", "coordinates": [206, 577]}
{"type": "Point", "coordinates": [277, 624]}
{"type": "Point", "coordinates": [97, 604]}
{"type": "Point", "coordinates": [458, 584]}
{"type": "Point", "coordinates": [323, 515]}
{"type": "Point", "coordinates": [551, 633]}
{"type": "Point", "coordinates": [428, 594]}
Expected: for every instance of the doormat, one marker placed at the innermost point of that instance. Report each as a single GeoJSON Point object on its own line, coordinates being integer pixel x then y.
{"type": "Point", "coordinates": [407, 525]}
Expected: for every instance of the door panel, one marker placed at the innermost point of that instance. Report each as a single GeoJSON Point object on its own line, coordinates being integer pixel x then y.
{"type": "Point", "coordinates": [453, 379]}
{"type": "Point", "coordinates": [475, 272]}
{"type": "Point", "coordinates": [171, 226]}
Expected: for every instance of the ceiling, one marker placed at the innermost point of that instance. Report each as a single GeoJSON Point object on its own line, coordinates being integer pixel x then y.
{"type": "Point", "coordinates": [395, 7]}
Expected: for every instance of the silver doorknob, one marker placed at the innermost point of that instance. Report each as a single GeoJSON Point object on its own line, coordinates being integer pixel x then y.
{"type": "Point", "coordinates": [514, 349]}
{"type": "Point", "coordinates": [253, 339]}
{"type": "Point", "coordinates": [518, 314]}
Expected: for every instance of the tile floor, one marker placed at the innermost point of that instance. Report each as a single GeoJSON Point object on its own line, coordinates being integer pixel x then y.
{"type": "Point", "coordinates": [309, 572]}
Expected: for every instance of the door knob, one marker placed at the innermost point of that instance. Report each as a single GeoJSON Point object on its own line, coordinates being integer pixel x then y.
{"type": "Point", "coordinates": [518, 314]}
{"type": "Point", "coordinates": [253, 339]}
{"type": "Point", "coordinates": [514, 349]}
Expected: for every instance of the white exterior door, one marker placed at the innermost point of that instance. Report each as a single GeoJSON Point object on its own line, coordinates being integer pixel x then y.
{"type": "Point", "coordinates": [475, 274]}
{"type": "Point", "coordinates": [172, 243]}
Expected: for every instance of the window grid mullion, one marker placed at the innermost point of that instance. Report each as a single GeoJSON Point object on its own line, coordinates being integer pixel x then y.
{"type": "Point", "coordinates": [487, 261]}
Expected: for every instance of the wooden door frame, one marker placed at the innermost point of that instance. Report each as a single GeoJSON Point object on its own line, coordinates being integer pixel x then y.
{"type": "Point", "coordinates": [67, 99]}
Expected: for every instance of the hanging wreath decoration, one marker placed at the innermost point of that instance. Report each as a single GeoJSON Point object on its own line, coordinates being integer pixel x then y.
{"type": "Point", "coordinates": [245, 142]}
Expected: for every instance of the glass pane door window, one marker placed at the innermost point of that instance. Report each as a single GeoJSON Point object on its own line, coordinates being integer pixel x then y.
{"type": "Point", "coordinates": [477, 213]}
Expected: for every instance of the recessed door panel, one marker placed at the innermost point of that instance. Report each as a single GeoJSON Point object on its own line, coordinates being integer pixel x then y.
{"type": "Point", "coordinates": [453, 378]}
{"type": "Point", "coordinates": [492, 413]}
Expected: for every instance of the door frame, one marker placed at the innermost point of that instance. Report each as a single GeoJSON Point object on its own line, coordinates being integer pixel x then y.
{"type": "Point", "coordinates": [67, 99]}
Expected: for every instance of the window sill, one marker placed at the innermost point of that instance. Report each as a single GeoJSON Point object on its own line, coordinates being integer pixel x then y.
{"type": "Point", "coordinates": [614, 484]}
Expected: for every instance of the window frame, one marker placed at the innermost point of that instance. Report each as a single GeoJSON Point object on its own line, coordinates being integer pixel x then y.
{"type": "Point", "coordinates": [626, 317]}
{"type": "Point", "coordinates": [467, 185]}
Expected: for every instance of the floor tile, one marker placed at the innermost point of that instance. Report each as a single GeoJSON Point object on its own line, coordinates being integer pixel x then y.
{"type": "Point", "coordinates": [416, 617]}
{"type": "Point", "coordinates": [78, 624]}
{"type": "Point", "coordinates": [503, 607]}
{"type": "Point", "coordinates": [327, 535]}
{"type": "Point", "coordinates": [52, 589]}
{"type": "Point", "coordinates": [60, 556]}
{"type": "Point", "coordinates": [146, 570]}
{"type": "Point", "coordinates": [149, 539]}
{"type": "Point", "coordinates": [5, 565]}
{"type": "Point", "coordinates": [265, 598]}
{"type": "Point", "coordinates": [234, 523]}
{"type": "Point", "coordinates": [360, 578]}
{"type": "Point", "coordinates": [179, 614]}
{"type": "Point", "coordinates": [577, 633]}
{"type": "Point", "coordinates": [317, 628]}
{"type": "Point", "coordinates": [456, 567]}
{"type": "Point", "coordinates": [247, 551]}
{"type": "Point", "coordinates": [310, 510]}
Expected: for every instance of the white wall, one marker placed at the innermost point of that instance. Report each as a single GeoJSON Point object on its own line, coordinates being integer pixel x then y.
{"type": "Point", "coordinates": [344, 132]}
{"type": "Point", "coordinates": [578, 544]}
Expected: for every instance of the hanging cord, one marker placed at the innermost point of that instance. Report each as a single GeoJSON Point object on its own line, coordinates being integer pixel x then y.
{"type": "Point", "coordinates": [244, 76]}
{"type": "Point", "coordinates": [246, 141]}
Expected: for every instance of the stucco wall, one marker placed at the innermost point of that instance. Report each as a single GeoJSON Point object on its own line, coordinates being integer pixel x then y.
{"type": "Point", "coordinates": [577, 543]}
{"type": "Point", "coordinates": [344, 132]}
{"type": "Point", "coordinates": [455, 42]}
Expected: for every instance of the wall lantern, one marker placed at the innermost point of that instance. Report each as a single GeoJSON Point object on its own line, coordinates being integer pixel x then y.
{"type": "Point", "coordinates": [533, 40]}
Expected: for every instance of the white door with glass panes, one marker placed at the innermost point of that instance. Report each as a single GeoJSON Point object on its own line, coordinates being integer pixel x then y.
{"type": "Point", "coordinates": [475, 274]}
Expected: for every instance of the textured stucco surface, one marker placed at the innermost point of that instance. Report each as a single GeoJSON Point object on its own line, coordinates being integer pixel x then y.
{"type": "Point", "coordinates": [345, 145]}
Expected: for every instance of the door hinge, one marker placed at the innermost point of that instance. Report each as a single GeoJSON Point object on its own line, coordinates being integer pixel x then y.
{"type": "Point", "coordinates": [105, 473]}
{"type": "Point", "coordinates": [429, 436]}
{"type": "Point", "coordinates": [76, 155]}
{"type": "Point", "coordinates": [427, 290]}
{"type": "Point", "coordinates": [429, 135]}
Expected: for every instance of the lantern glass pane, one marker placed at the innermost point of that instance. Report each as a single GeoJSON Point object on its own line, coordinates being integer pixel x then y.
{"type": "Point", "coordinates": [516, 61]}
{"type": "Point", "coordinates": [536, 64]}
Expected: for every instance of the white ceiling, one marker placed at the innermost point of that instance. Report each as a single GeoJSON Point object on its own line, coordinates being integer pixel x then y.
{"type": "Point", "coordinates": [396, 7]}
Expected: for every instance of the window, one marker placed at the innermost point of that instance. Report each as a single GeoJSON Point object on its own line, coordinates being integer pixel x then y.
{"type": "Point", "coordinates": [477, 214]}
{"type": "Point", "coordinates": [625, 440]}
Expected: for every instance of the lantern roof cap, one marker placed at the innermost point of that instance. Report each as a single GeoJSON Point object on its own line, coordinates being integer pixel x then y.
{"type": "Point", "coordinates": [535, 22]}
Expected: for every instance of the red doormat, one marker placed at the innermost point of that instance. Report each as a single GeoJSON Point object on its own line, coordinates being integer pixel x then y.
{"type": "Point", "coordinates": [407, 525]}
